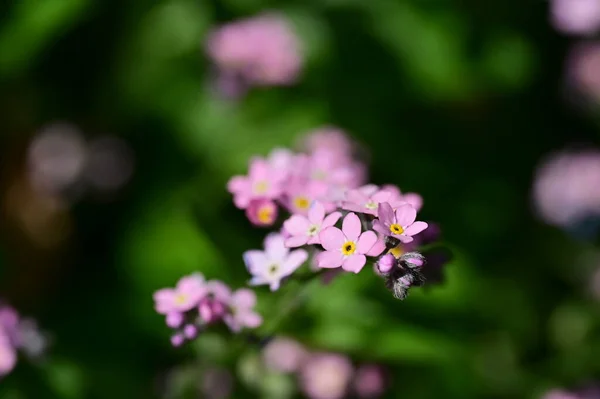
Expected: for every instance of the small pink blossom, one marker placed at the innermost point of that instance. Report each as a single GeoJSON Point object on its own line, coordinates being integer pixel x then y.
{"type": "Point", "coordinates": [366, 199]}
{"type": "Point", "coordinates": [241, 311]}
{"type": "Point", "coordinates": [276, 262]}
{"type": "Point", "coordinates": [397, 197]}
{"type": "Point", "coordinates": [300, 194]}
{"type": "Point", "coordinates": [284, 355]}
{"type": "Point", "coordinates": [579, 17]}
{"type": "Point", "coordinates": [331, 139]}
{"type": "Point", "coordinates": [400, 224]}
{"type": "Point", "coordinates": [346, 247]}
{"type": "Point", "coordinates": [262, 212]}
{"type": "Point", "coordinates": [262, 51]}
{"type": "Point", "coordinates": [185, 296]}
{"type": "Point", "coordinates": [326, 376]}
{"type": "Point", "coordinates": [305, 230]}
{"type": "Point", "coordinates": [263, 182]}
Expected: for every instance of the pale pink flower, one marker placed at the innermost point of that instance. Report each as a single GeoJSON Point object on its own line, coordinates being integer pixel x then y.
{"type": "Point", "coordinates": [276, 262]}
{"type": "Point", "coordinates": [183, 297]}
{"type": "Point", "coordinates": [397, 197]}
{"type": "Point", "coordinates": [346, 247]}
{"type": "Point", "coordinates": [583, 64]}
{"type": "Point", "coordinates": [305, 230]}
{"type": "Point", "coordinates": [8, 355]}
{"type": "Point", "coordinates": [300, 194]}
{"type": "Point", "coordinates": [321, 166]}
{"type": "Point", "coordinates": [560, 394]}
{"type": "Point", "coordinates": [400, 224]}
{"type": "Point", "coordinates": [263, 181]}
{"type": "Point", "coordinates": [262, 212]}
{"type": "Point", "coordinates": [578, 17]}
{"type": "Point", "coordinates": [284, 355]}
{"type": "Point", "coordinates": [241, 311]}
{"type": "Point", "coordinates": [329, 138]}
{"type": "Point", "coordinates": [366, 199]}
{"type": "Point", "coordinates": [326, 376]}
{"type": "Point", "coordinates": [262, 51]}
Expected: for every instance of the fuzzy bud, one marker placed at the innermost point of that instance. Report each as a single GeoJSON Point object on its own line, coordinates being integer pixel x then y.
{"type": "Point", "coordinates": [386, 263]}
{"type": "Point", "coordinates": [413, 260]}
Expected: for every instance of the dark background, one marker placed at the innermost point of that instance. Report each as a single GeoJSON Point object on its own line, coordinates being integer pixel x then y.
{"type": "Point", "coordinates": [455, 100]}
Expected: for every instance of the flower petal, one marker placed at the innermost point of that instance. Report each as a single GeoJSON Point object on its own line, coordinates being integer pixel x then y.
{"type": "Point", "coordinates": [330, 259]}
{"type": "Point", "coordinates": [332, 238]}
{"type": "Point", "coordinates": [405, 215]}
{"type": "Point", "coordinates": [414, 199]}
{"type": "Point", "coordinates": [316, 213]}
{"type": "Point", "coordinates": [297, 241]}
{"type": "Point", "coordinates": [243, 298]}
{"type": "Point", "coordinates": [255, 260]}
{"type": "Point", "coordinates": [259, 169]}
{"type": "Point", "coordinates": [237, 184]}
{"type": "Point", "coordinates": [251, 319]}
{"type": "Point", "coordinates": [385, 213]}
{"type": "Point", "coordinates": [275, 247]}
{"type": "Point", "coordinates": [331, 219]}
{"type": "Point", "coordinates": [415, 228]}
{"type": "Point", "coordinates": [404, 239]}
{"type": "Point", "coordinates": [380, 228]}
{"type": "Point", "coordinates": [378, 248]}
{"type": "Point", "coordinates": [351, 226]}
{"type": "Point", "coordinates": [354, 263]}
{"type": "Point", "coordinates": [294, 260]}
{"type": "Point", "coordinates": [296, 225]}
{"type": "Point", "coordinates": [366, 241]}
{"type": "Point", "coordinates": [220, 290]}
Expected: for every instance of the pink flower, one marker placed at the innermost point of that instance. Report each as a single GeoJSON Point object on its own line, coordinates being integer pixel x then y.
{"type": "Point", "coordinates": [185, 296]}
{"type": "Point", "coordinates": [322, 167]}
{"type": "Point", "coordinates": [241, 311]}
{"type": "Point", "coordinates": [369, 381]}
{"type": "Point", "coordinates": [346, 247]}
{"type": "Point", "coordinates": [262, 181]}
{"type": "Point", "coordinates": [8, 355]}
{"type": "Point", "coordinates": [305, 230]}
{"type": "Point", "coordinates": [300, 194]}
{"type": "Point", "coordinates": [559, 394]}
{"type": "Point", "coordinates": [367, 199]}
{"type": "Point", "coordinates": [270, 266]}
{"type": "Point", "coordinates": [397, 197]}
{"type": "Point", "coordinates": [263, 50]}
{"type": "Point", "coordinates": [582, 67]}
{"type": "Point", "coordinates": [262, 212]}
{"type": "Point", "coordinates": [400, 224]}
{"type": "Point", "coordinates": [326, 376]}
{"type": "Point", "coordinates": [579, 17]}
{"type": "Point", "coordinates": [284, 355]}
{"type": "Point", "coordinates": [331, 139]}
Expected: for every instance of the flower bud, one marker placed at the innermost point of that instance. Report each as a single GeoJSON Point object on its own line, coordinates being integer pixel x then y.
{"type": "Point", "coordinates": [413, 259]}
{"type": "Point", "coordinates": [262, 212]}
{"type": "Point", "coordinates": [190, 331]}
{"type": "Point", "coordinates": [174, 319]}
{"type": "Point", "coordinates": [386, 263]}
{"type": "Point", "coordinates": [177, 340]}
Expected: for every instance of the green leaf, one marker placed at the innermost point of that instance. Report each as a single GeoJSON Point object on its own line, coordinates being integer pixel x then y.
{"type": "Point", "coordinates": [66, 378]}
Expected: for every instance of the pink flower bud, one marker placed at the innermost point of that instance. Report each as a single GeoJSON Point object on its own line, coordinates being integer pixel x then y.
{"type": "Point", "coordinates": [177, 340]}
{"type": "Point", "coordinates": [174, 319]}
{"type": "Point", "coordinates": [190, 331]}
{"type": "Point", "coordinates": [386, 263]}
{"type": "Point", "coordinates": [262, 212]}
{"type": "Point", "coordinates": [205, 310]}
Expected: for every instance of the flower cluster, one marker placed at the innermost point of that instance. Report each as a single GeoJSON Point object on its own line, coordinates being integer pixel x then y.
{"type": "Point", "coordinates": [195, 303]}
{"type": "Point", "coordinates": [334, 215]}
{"type": "Point", "coordinates": [323, 375]}
{"type": "Point", "coordinates": [259, 51]}
{"type": "Point", "coordinates": [16, 334]}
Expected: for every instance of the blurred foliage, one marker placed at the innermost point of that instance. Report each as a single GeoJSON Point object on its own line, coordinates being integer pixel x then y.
{"type": "Point", "coordinates": [455, 100]}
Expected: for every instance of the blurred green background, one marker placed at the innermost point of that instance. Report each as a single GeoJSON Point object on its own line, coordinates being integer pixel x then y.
{"type": "Point", "coordinates": [456, 100]}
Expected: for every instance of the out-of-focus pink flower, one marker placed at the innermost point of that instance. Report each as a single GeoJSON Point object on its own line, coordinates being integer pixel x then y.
{"type": "Point", "coordinates": [397, 197]}
{"type": "Point", "coordinates": [274, 263]}
{"type": "Point", "coordinates": [583, 64]}
{"type": "Point", "coordinates": [8, 355]}
{"type": "Point", "coordinates": [185, 296]}
{"type": "Point", "coordinates": [262, 212]}
{"type": "Point", "coordinates": [300, 194]}
{"type": "Point", "coordinates": [578, 17]}
{"type": "Point", "coordinates": [263, 182]}
{"type": "Point", "coordinates": [369, 381]}
{"type": "Point", "coordinates": [567, 187]}
{"type": "Point", "coordinates": [346, 247]}
{"type": "Point", "coordinates": [57, 157]}
{"type": "Point", "coordinates": [367, 199]}
{"type": "Point", "coordinates": [305, 230]}
{"type": "Point", "coordinates": [284, 355]}
{"type": "Point", "coordinates": [241, 311]}
{"type": "Point", "coordinates": [216, 383]}
{"type": "Point", "coordinates": [400, 224]}
{"type": "Point", "coordinates": [559, 394]}
{"type": "Point", "coordinates": [326, 376]}
{"type": "Point", "coordinates": [261, 51]}
{"type": "Point", "coordinates": [331, 140]}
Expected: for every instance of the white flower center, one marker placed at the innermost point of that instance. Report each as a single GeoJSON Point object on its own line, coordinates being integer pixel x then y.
{"type": "Point", "coordinates": [312, 230]}
{"type": "Point", "coordinates": [371, 205]}
{"type": "Point", "coordinates": [273, 269]}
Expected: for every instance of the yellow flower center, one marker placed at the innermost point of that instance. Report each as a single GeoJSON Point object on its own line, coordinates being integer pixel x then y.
{"type": "Point", "coordinates": [397, 251]}
{"type": "Point", "coordinates": [301, 202]}
{"type": "Point", "coordinates": [261, 187]}
{"type": "Point", "coordinates": [180, 299]}
{"type": "Point", "coordinates": [265, 214]}
{"type": "Point", "coordinates": [396, 229]}
{"type": "Point", "coordinates": [371, 205]}
{"type": "Point", "coordinates": [348, 248]}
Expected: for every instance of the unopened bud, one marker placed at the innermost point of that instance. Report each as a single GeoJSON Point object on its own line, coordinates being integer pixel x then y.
{"type": "Point", "coordinates": [413, 259]}
{"type": "Point", "coordinates": [386, 263]}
